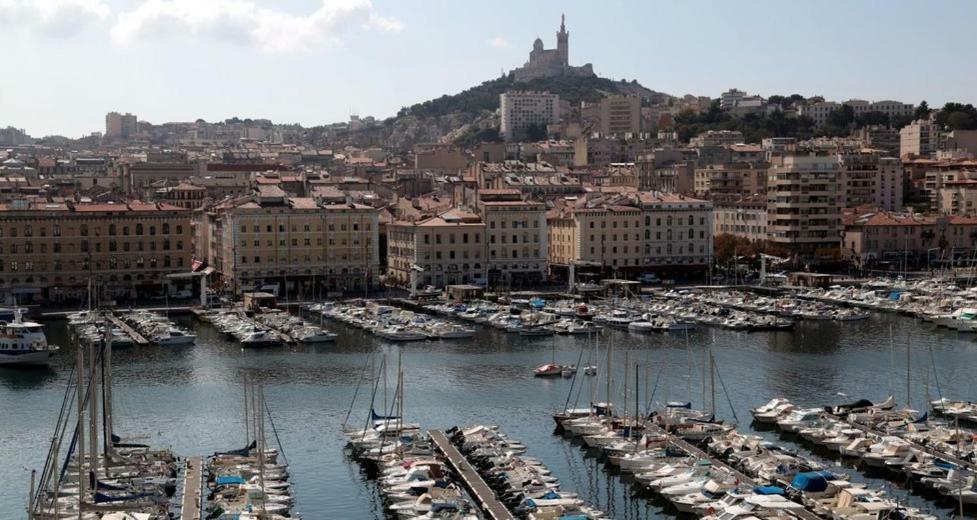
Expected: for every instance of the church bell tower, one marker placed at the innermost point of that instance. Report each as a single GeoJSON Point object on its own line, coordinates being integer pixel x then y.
{"type": "Point", "coordinates": [563, 43]}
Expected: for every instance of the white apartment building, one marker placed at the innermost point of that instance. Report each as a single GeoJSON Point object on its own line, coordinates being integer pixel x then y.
{"type": "Point", "coordinates": [803, 205]}
{"type": "Point", "coordinates": [820, 111]}
{"type": "Point", "coordinates": [520, 110]}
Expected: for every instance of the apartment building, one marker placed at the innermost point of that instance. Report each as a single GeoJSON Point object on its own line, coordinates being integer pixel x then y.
{"type": "Point", "coordinates": [120, 126]}
{"type": "Point", "coordinates": [957, 198]}
{"type": "Point", "coordinates": [921, 138]}
{"type": "Point", "coordinates": [820, 111]}
{"type": "Point", "coordinates": [803, 205]}
{"type": "Point", "coordinates": [745, 218]}
{"type": "Point", "coordinates": [909, 238]}
{"type": "Point", "coordinates": [441, 250]}
{"type": "Point", "coordinates": [730, 181]}
{"type": "Point", "coordinates": [516, 236]}
{"type": "Point", "coordinates": [50, 250]}
{"type": "Point", "coordinates": [304, 245]}
{"type": "Point", "coordinates": [522, 110]}
{"type": "Point", "coordinates": [633, 233]}
{"type": "Point", "coordinates": [620, 115]}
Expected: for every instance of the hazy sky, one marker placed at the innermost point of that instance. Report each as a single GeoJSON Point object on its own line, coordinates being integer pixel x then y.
{"type": "Point", "coordinates": [68, 62]}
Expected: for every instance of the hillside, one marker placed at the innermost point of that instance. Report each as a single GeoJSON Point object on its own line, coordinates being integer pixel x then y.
{"type": "Point", "coordinates": [486, 96]}
{"type": "Point", "coordinates": [470, 115]}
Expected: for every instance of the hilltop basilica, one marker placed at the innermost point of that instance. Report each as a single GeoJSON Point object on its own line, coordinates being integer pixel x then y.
{"type": "Point", "coordinates": [545, 63]}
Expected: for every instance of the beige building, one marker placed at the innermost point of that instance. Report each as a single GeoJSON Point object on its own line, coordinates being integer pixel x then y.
{"type": "Point", "coordinates": [304, 244]}
{"type": "Point", "coordinates": [620, 115]}
{"type": "Point", "coordinates": [516, 237]}
{"type": "Point", "coordinates": [729, 181]}
{"type": "Point", "coordinates": [184, 195]}
{"type": "Point", "coordinates": [921, 138]}
{"type": "Point", "coordinates": [746, 218]}
{"type": "Point", "coordinates": [867, 178]}
{"type": "Point", "coordinates": [50, 251]}
{"type": "Point", "coordinates": [803, 205]}
{"type": "Point", "coordinates": [522, 110]}
{"type": "Point", "coordinates": [913, 239]}
{"type": "Point", "coordinates": [120, 126]}
{"type": "Point", "coordinates": [439, 157]}
{"type": "Point", "coordinates": [442, 250]}
{"type": "Point", "coordinates": [634, 233]}
{"type": "Point", "coordinates": [958, 198]}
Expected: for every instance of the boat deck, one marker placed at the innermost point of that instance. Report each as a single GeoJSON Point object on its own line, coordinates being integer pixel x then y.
{"type": "Point", "coordinates": [192, 489]}
{"type": "Point", "coordinates": [484, 495]}
{"type": "Point", "coordinates": [138, 338]}
{"type": "Point", "coordinates": [689, 448]}
{"type": "Point", "coordinates": [926, 449]}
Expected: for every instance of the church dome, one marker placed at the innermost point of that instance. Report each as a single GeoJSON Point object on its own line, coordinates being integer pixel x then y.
{"type": "Point", "coordinates": [538, 44]}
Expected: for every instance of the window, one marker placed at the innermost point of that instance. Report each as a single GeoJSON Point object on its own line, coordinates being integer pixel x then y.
{"type": "Point", "coordinates": [138, 229]}
{"type": "Point", "coordinates": [166, 228]}
{"type": "Point", "coordinates": [152, 231]}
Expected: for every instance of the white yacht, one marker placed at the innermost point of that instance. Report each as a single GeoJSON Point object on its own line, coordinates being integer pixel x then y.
{"type": "Point", "coordinates": [259, 338]}
{"type": "Point", "coordinates": [24, 343]}
{"type": "Point", "coordinates": [174, 337]}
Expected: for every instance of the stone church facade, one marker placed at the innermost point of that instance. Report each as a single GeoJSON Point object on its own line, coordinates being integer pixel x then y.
{"type": "Point", "coordinates": [547, 63]}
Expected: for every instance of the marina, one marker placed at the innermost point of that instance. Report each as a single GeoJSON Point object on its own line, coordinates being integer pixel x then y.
{"type": "Point", "coordinates": [492, 371]}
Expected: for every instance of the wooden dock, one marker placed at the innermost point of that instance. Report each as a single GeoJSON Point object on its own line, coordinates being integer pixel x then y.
{"type": "Point", "coordinates": [484, 495]}
{"type": "Point", "coordinates": [192, 489]}
{"type": "Point", "coordinates": [135, 335]}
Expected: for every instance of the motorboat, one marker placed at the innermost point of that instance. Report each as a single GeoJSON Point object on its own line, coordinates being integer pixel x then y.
{"type": "Point", "coordinates": [174, 337]}
{"type": "Point", "coordinates": [24, 343]}
{"type": "Point", "coordinates": [399, 333]}
{"type": "Point", "coordinates": [259, 338]}
{"type": "Point", "coordinates": [548, 370]}
{"type": "Point", "coordinates": [773, 410]}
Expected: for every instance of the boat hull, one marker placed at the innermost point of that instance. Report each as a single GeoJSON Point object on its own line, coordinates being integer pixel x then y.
{"type": "Point", "coordinates": [32, 357]}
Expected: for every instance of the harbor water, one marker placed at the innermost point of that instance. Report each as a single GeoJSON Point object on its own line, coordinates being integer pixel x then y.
{"type": "Point", "coordinates": [191, 399]}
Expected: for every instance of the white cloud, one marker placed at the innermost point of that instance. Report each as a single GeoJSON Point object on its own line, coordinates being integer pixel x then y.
{"type": "Point", "coordinates": [57, 17]}
{"type": "Point", "coordinates": [498, 41]}
{"type": "Point", "coordinates": [243, 21]}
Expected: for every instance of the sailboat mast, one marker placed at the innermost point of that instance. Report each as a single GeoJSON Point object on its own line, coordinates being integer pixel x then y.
{"type": "Point", "coordinates": [80, 427]}
{"type": "Point", "coordinates": [712, 381]}
{"type": "Point", "coordinates": [892, 363]}
{"type": "Point", "coordinates": [400, 383]}
{"type": "Point", "coordinates": [107, 397]}
{"type": "Point", "coordinates": [92, 410]}
{"type": "Point", "coordinates": [705, 363]}
{"type": "Point", "coordinates": [247, 420]}
{"type": "Point", "coordinates": [627, 370]}
{"type": "Point", "coordinates": [637, 394]}
{"type": "Point", "coordinates": [610, 349]}
{"type": "Point", "coordinates": [909, 362]}
{"type": "Point", "coordinates": [261, 447]}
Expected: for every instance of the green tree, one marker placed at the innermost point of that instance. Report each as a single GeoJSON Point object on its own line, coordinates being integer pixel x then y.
{"type": "Point", "coordinates": [922, 111]}
{"type": "Point", "coordinates": [957, 116]}
{"type": "Point", "coordinates": [872, 118]}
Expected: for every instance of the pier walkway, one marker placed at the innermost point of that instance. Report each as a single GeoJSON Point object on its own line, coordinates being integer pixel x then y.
{"type": "Point", "coordinates": [133, 333]}
{"type": "Point", "coordinates": [486, 498]}
{"type": "Point", "coordinates": [192, 489]}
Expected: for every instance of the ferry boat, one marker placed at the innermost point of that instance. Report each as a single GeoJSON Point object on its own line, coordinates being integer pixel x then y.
{"type": "Point", "coordinates": [24, 343]}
